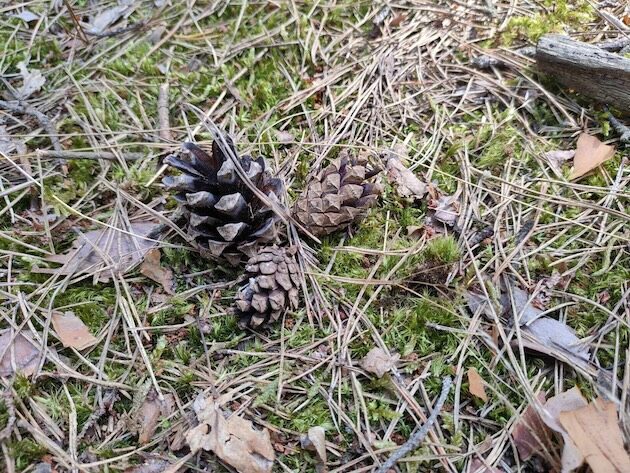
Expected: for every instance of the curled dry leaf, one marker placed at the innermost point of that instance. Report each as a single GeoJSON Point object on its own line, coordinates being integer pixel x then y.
{"type": "Point", "coordinates": [149, 414]}
{"type": "Point", "coordinates": [557, 157]}
{"type": "Point", "coordinates": [315, 439]}
{"type": "Point", "coordinates": [594, 429]}
{"type": "Point", "coordinates": [476, 384]}
{"type": "Point", "coordinates": [446, 209]}
{"type": "Point", "coordinates": [589, 154]}
{"type": "Point", "coordinates": [32, 81]}
{"type": "Point", "coordinates": [234, 440]}
{"type": "Point", "coordinates": [19, 354]}
{"type": "Point", "coordinates": [404, 180]}
{"type": "Point", "coordinates": [569, 400]}
{"type": "Point", "coordinates": [106, 18]}
{"type": "Point", "coordinates": [378, 362]}
{"type": "Point", "coordinates": [530, 435]}
{"type": "Point", "coordinates": [72, 331]}
{"type": "Point", "coordinates": [105, 252]}
{"type": "Point", "coordinates": [151, 268]}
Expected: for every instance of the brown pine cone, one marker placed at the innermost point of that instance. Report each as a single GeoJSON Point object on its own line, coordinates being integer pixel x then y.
{"type": "Point", "coordinates": [273, 287]}
{"type": "Point", "coordinates": [338, 196]}
{"type": "Point", "coordinates": [223, 216]}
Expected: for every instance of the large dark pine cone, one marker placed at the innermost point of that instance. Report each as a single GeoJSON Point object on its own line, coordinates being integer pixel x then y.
{"type": "Point", "coordinates": [273, 287]}
{"type": "Point", "coordinates": [223, 215]}
{"type": "Point", "coordinates": [339, 195]}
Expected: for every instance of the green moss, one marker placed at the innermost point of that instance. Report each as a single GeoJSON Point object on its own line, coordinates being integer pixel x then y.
{"type": "Point", "coordinates": [559, 16]}
{"type": "Point", "coordinates": [444, 250]}
{"type": "Point", "coordinates": [26, 452]}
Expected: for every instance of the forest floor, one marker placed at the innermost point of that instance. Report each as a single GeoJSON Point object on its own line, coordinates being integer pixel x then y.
{"type": "Point", "coordinates": [296, 82]}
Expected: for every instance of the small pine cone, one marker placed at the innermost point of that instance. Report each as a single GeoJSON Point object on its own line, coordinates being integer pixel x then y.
{"type": "Point", "coordinates": [273, 287]}
{"type": "Point", "coordinates": [338, 196]}
{"type": "Point", "coordinates": [224, 217]}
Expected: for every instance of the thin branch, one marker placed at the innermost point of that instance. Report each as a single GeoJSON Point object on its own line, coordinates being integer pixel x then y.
{"type": "Point", "coordinates": [416, 439]}
{"type": "Point", "coordinates": [89, 155]}
{"type": "Point", "coordinates": [26, 109]}
{"type": "Point", "coordinates": [162, 112]}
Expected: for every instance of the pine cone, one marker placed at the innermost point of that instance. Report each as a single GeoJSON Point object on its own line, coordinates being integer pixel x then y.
{"type": "Point", "coordinates": [223, 215]}
{"type": "Point", "coordinates": [339, 195]}
{"type": "Point", "coordinates": [272, 287]}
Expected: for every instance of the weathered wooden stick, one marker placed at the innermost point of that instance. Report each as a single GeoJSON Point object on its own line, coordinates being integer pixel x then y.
{"type": "Point", "coordinates": [587, 69]}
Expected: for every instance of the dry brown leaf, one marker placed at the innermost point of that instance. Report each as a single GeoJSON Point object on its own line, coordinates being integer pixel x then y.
{"type": "Point", "coordinates": [530, 435]}
{"type": "Point", "coordinates": [32, 81]}
{"type": "Point", "coordinates": [595, 431]}
{"type": "Point", "coordinates": [476, 384]}
{"type": "Point", "coordinates": [19, 354]}
{"type": "Point", "coordinates": [72, 331]}
{"type": "Point", "coordinates": [378, 362]}
{"type": "Point", "coordinates": [149, 414]}
{"type": "Point", "coordinates": [105, 252]}
{"type": "Point", "coordinates": [405, 182]}
{"type": "Point", "coordinates": [151, 268]}
{"type": "Point", "coordinates": [233, 440]}
{"type": "Point", "coordinates": [284, 137]}
{"type": "Point", "coordinates": [315, 439]}
{"type": "Point", "coordinates": [557, 157]}
{"type": "Point", "coordinates": [446, 209]}
{"type": "Point", "coordinates": [589, 154]}
{"type": "Point", "coordinates": [566, 401]}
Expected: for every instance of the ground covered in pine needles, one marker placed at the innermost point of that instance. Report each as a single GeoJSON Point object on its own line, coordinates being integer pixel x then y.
{"type": "Point", "coordinates": [297, 82]}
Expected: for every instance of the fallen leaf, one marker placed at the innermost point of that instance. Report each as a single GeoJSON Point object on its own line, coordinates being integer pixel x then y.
{"type": "Point", "coordinates": [149, 414]}
{"type": "Point", "coordinates": [315, 439]}
{"type": "Point", "coordinates": [26, 16]}
{"type": "Point", "coordinates": [234, 440]}
{"type": "Point", "coordinates": [151, 268]}
{"type": "Point", "coordinates": [530, 435]}
{"type": "Point", "coordinates": [476, 384]}
{"type": "Point", "coordinates": [378, 362]}
{"type": "Point", "coordinates": [405, 182]}
{"type": "Point", "coordinates": [106, 18]}
{"type": "Point", "coordinates": [72, 331]}
{"type": "Point", "coordinates": [595, 432]}
{"type": "Point", "coordinates": [284, 137]}
{"type": "Point", "coordinates": [557, 157]}
{"type": "Point", "coordinates": [19, 352]}
{"type": "Point", "coordinates": [626, 20]}
{"type": "Point", "coordinates": [589, 154]}
{"type": "Point", "coordinates": [105, 252]}
{"type": "Point", "coordinates": [445, 208]}
{"type": "Point", "coordinates": [569, 400]}
{"type": "Point", "coordinates": [397, 20]}
{"type": "Point", "coordinates": [32, 81]}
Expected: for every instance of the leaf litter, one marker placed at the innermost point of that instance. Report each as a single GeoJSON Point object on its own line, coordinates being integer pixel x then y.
{"type": "Point", "coordinates": [590, 153]}
{"type": "Point", "coordinates": [32, 81]}
{"type": "Point", "coordinates": [404, 180]}
{"type": "Point", "coordinates": [19, 354]}
{"type": "Point", "coordinates": [105, 252]}
{"type": "Point", "coordinates": [379, 362]}
{"type": "Point", "coordinates": [476, 384]}
{"type": "Point", "coordinates": [233, 439]}
{"type": "Point", "coordinates": [152, 269]}
{"type": "Point", "coordinates": [72, 331]}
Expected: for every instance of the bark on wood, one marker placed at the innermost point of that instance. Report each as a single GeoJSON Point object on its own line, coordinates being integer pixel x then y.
{"type": "Point", "coordinates": [587, 69]}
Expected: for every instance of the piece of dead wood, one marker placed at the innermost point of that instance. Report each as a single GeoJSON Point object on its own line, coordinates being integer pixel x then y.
{"type": "Point", "coordinates": [234, 440]}
{"type": "Point", "coordinates": [72, 331]}
{"type": "Point", "coordinates": [587, 69]}
{"type": "Point", "coordinates": [163, 113]}
{"type": "Point", "coordinates": [595, 432]}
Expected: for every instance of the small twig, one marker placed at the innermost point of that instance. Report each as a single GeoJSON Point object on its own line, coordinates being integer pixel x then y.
{"type": "Point", "coordinates": [486, 61]}
{"type": "Point", "coordinates": [89, 155]}
{"type": "Point", "coordinates": [162, 112]}
{"type": "Point", "coordinates": [18, 106]}
{"type": "Point", "coordinates": [416, 439]}
{"type": "Point", "coordinates": [8, 401]}
{"type": "Point", "coordinates": [620, 128]}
